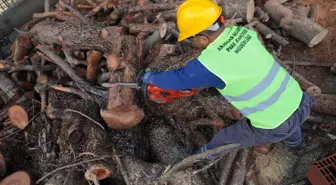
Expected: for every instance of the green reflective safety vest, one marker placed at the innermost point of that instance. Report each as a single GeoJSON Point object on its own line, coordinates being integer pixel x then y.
{"type": "Point", "coordinates": [256, 84]}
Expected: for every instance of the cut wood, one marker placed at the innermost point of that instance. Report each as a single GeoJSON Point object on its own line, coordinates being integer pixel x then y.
{"type": "Point", "coordinates": [101, 6]}
{"type": "Point", "coordinates": [239, 172]}
{"type": "Point", "coordinates": [305, 84]}
{"type": "Point", "coordinates": [227, 167]}
{"type": "Point", "coordinates": [314, 12]}
{"type": "Point", "coordinates": [277, 11]}
{"type": "Point", "coordinates": [166, 49]}
{"type": "Point", "coordinates": [268, 33]}
{"type": "Point", "coordinates": [304, 63]}
{"type": "Point", "coordinates": [302, 10]}
{"type": "Point", "coordinates": [325, 103]}
{"type": "Point", "coordinates": [151, 40]}
{"type": "Point", "coordinates": [20, 177]}
{"type": "Point", "coordinates": [148, 28]}
{"type": "Point", "coordinates": [97, 172]}
{"type": "Point", "coordinates": [77, 36]}
{"type": "Point", "coordinates": [93, 61]}
{"type": "Point", "coordinates": [153, 7]}
{"type": "Point", "coordinates": [261, 14]}
{"type": "Point", "coordinates": [238, 9]}
{"type": "Point", "coordinates": [304, 29]}
{"type": "Point", "coordinates": [67, 68]}
{"type": "Point", "coordinates": [18, 116]}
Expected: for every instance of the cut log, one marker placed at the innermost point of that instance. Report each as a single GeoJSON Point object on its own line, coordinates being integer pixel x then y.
{"type": "Point", "coordinates": [153, 7]}
{"type": "Point", "coordinates": [18, 116]}
{"type": "Point", "coordinates": [21, 47]}
{"type": "Point", "coordinates": [277, 11]}
{"type": "Point", "coordinates": [305, 84]}
{"type": "Point", "coordinates": [7, 88]}
{"type": "Point", "coordinates": [166, 49]}
{"type": "Point", "coordinates": [239, 172]}
{"type": "Point", "coordinates": [270, 34]}
{"type": "Point", "coordinates": [304, 29]}
{"type": "Point", "coordinates": [78, 36]}
{"type": "Point", "coordinates": [302, 10]}
{"type": "Point", "coordinates": [238, 9]}
{"type": "Point", "coordinates": [261, 14]}
{"type": "Point", "coordinates": [20, 177]}
{"type": "Point", "coordinates": [227, 168]}
{"type": "Point", "coordinates": [151, 40]}
{"type": "Point", "coordinates": [166, 147]}
{"type": "Point", "coordinates": [121, 111]}
{"type": "Point", "coordinates": [85, 86]}
{"type": "Point", "coordinates": [314, 12]}
{"type": "Point", "coordinates": [147, 28]}
{"type": "Point", "coordinates": [325, 103]}
{"type": "Point", "coordinates": [60, 15]}
{"type": "Point", "coordinates": [97, 172]}
{"type": "Point", "coordinates": [93, 61]}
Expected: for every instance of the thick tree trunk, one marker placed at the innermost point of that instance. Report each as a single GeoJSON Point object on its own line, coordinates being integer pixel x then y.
{"type": "Point", "coordinates": [304, 29]}
{"type": "Point", "coordinates": [78, 36]}
{"type": "Point", "coordinates": [238, 9]}
{"type": "Point", "coordinates": [277, 11]}
{"type": "Point", "coordinates": [325, 103]}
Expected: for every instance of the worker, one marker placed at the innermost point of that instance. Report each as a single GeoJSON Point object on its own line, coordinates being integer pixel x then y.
{"type": "Point", "coordinates": [235, 62]}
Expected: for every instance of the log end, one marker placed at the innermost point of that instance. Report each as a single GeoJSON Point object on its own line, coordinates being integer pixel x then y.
{"type": "Point", "coordinates": [112, 62]}
{"type": "Point", "coordinates": [314, 91]}
{"type": "Point", "coordinates": [163, 30]}
{"type": "Point", "coordinates": [18, 116]}
{"type": "Point", "coordinates": [250, 11]}
{"type": "Point", "coordinates": [20, 177]}
{"type": "Point", "coordinates": [99, 172]}
{"type": "Point", "coordinates": [123, 117]}
{"type": "Point", "coordinates": [318, 38]}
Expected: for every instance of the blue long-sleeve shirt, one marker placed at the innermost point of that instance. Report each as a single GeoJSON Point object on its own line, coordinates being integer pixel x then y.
{"type": "Point", "coordinates": [193, 75]}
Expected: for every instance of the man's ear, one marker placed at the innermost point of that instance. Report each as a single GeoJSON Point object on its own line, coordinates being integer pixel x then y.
{"type": "Point", "coordinates": [204, 40]}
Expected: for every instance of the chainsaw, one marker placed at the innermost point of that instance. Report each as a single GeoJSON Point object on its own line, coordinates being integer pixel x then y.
{"type": "Point", "coordinates": [154, 93]}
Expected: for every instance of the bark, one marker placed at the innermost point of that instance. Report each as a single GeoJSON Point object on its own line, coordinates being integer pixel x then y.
{"type": "Point", "coordinates": [166, 49]}
{"type": "Point", "coordinates": [153, 7]}
{"type": "Point", "coordinates": [166, 148]}
{"type": "Point", "coordinates": [267, 32]}
{"type": "Point", "coordinates": [21, 47]}
{"type": "Point", "coordinates": [8, 88]}
{"type": "Point", "coordinates": [277, 11]}
{"type": "Point", "coordinates": [60, 15]}
{"type": "Point", "coordinates": [325, 103]}
{"type": "Point", "coordinates": [239, 173]}
{"type": "Point", "coordinates": [77, 36]}
{"type": "Point", "coordinates": [85, 86]}
{"type": "Point", "coordinates": [238, 9]}
{"type": "Point", "coordinates": [148, 28]}
{"type": "Point", "coordinates": [101, 6]}
{"type": "Point", "coordinates": [314, 12]}
{"type": "Point", "coordinates": [227, 168]}
{"type": "Point", "coordinates": [155, 37]}
{"type": "Point", "coordinates": [302, 10]}
{"type": "Point", "coordinates": [261, 14]}
{"type": "Point", "coordinates": [70, 177]}
{"type": "Point", "coordinates": [305, 84]}
{"type": "Point", "coordinates": [304, 29]}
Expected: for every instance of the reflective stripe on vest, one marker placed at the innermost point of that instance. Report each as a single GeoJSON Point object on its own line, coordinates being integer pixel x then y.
{"type": "Point", "coordinates": [256, 90]}
{"type": "Point", "coordinates": [256, 84]}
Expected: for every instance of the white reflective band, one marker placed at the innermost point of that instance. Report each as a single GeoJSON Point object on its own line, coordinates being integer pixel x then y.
{"type": "Point", "coordinates": [246, 111]}
{"type": "Point", "coordinates": [213, 27]}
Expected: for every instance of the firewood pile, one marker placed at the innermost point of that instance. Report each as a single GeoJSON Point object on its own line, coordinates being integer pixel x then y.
{"type": "Point", "coordinates": [55, 110]}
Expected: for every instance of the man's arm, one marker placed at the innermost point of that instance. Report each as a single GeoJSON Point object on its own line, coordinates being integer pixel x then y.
{"type": "Point", "coordinates": [193, 75]}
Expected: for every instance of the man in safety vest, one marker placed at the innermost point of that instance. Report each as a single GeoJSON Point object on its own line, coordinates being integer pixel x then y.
{"type": "Point", "coordinates": [235, 62]}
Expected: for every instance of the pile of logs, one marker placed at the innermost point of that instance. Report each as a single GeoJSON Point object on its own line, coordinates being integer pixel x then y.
{"type": "Point", "coordinates": [62, 56]}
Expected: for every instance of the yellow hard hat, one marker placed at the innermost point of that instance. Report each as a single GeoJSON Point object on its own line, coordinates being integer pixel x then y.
{"type": "Point", "coordinates": [194, 16]}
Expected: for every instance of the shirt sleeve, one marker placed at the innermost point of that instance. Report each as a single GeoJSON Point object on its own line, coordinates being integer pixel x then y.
{"type": "Point", "coordinates": [193, 75]}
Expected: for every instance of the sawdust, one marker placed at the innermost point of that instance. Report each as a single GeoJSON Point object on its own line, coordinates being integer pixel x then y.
{"type": "Point", "coordinates": [274, 166]}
